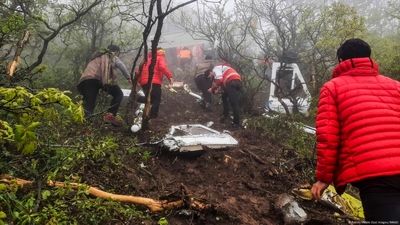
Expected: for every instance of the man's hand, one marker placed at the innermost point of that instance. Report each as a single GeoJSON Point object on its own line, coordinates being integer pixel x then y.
{"type": "Point", "coordinates": [317, 189]}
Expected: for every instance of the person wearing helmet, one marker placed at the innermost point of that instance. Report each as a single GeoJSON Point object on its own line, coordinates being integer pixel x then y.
{"type": "Point", "coordinates": [100, 74]}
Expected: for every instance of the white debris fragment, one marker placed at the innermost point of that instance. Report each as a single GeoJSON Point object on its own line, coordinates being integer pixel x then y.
{"type": "Point", "coordinates": [209, 123]}
{"type": "Point", "coordinates": [193, 137]}
{"type": "Point", "coordinates": [137, 122]}
{"type": "Point", "coordinates": [306, 128]}
{"type": "Point", "coordinates": [291, 211]}
{"type": "Point", "coordinates": [135, 128]}
{"type": "Point", "coordinates": [126, 92]}
{"type": "Point", "coordinates": [287, 76]}
{"type": "Point", "coordinates": [309, 129]}
{"type": "Point", "coordinates": [190, 92]}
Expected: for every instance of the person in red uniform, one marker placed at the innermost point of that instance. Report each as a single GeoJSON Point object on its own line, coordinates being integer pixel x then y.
{"type": "Point", "coordinates": [229, 82]}
{"type": "Point", "coordinates": [358, 133]}
{"type": "Point", "coordinates": [160, 70]}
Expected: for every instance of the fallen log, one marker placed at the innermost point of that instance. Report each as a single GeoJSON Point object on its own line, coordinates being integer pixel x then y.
{"type": "Point", "coordinates": [152, 204]}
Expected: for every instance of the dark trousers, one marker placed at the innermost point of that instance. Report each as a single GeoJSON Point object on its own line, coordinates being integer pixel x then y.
{"type": "Point", "coordinates": [89, 89]}
{"type": "Point", "coordinates": [231, 98]}
{"type": "Point", "coordinates": [203, 84]}
{"type": "Point", "coordinates": [380, 198]}
{"type": "Point", "coordinates": [155, 98]}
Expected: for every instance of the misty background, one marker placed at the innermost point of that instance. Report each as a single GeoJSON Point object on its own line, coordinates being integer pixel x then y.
{"type": "Point", "coordinates": [65, 34]}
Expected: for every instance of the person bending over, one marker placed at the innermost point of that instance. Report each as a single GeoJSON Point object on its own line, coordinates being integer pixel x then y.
{"type": "Point", "coordinates": [100, 74]}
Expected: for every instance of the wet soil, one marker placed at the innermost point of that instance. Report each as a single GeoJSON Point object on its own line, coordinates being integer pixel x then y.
{"type": "Point", "coordinates": [240, 184]}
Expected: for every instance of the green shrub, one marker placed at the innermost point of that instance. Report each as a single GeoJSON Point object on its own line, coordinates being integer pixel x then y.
{"type": "Point", "coordinates": [285, 131]}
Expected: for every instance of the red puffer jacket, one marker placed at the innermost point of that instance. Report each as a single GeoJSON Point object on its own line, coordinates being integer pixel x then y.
{"type": "Point", "coordinates": [160, 69]}
{"type": "Point", "coordinates": [358, 124]}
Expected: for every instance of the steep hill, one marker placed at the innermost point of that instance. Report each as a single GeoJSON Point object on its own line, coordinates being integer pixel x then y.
{"type": "Point", "coordinates": [241, 183]}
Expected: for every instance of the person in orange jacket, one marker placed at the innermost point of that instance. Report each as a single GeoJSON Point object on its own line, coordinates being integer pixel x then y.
{"type": "Point", "coordinates": [160, 70]}
{"type": "Point", "coordinates": [229, 81]}
{"type": "Point", "coordinates": [185, 58]}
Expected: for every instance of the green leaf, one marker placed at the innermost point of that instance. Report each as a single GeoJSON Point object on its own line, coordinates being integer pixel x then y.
{"type": "Point", "coordinates": [2, 188]}
{"type": "Point", "coordinates": [45, 194]}
{"type": "Point", "coordinates": [3, 215]}
{"type": "Point", "coordinates": [19, 130]}
{"type": "Point", "coordinates": [163, 221]}
{"type": "Point", "coordinates": [29, 148]}
{"type": "Point", "coordinates": [33, 125]}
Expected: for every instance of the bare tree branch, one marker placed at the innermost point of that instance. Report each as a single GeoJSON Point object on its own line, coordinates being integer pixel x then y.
{"type": "Point", "coordinates": [80, 13]}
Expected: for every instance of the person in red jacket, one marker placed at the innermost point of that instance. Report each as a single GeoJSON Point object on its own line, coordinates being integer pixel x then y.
{"type": "Point", "coordinates": [160, 70]}
{"type": "Point", "coordinates": [358, 133]}
{"type": "Point", "coordinates": [227, 80]}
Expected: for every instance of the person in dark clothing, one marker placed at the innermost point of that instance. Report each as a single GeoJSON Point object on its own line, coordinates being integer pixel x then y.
{"type": "Point", "coordinates": [203, 81]}
{"type": "Point", "coordinates": [100, 74]}
{"type": "Point", "coordinates": [231, 95]}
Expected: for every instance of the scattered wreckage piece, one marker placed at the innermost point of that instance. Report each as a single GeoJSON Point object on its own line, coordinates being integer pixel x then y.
{"type": "Point", "coordinates": [176, 84]}
{"type": "Point", "coordinates": [190, 92]}
{"type": "Point", "coordinates": [187, 138]}
{"type": "Point", "coordinates": [137, 122]}
{"type": "Point", "coordinates": [305, 128]}
{"type": "Point", "coordinates": [288, 78]}
{"type": "Point", "coordinates": [152, 204]}
{"type": "Point", "coordinates": [126, 92]}
{"type": "Point", "coordinates": [308, 129]}
{"type": "Point", "coordinates": [291, 210]}
{"type": "Point", "coordinates": [193, 138]}
{"type": "Point", "coordinates": [345, 203]}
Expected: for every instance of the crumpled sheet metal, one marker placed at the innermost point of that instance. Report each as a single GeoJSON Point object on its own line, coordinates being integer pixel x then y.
{"type": "Point", "coordinates": [345, 203]}
{"type": "Point", "coordinates": [290, 209]}
{"type": "Point", "coordinates": [194, 137]}
{"type": "Point", "coordinates": [190, 92]}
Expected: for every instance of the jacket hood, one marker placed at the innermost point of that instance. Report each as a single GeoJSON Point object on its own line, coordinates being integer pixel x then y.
{"type": "Point", "coordinates": [160, 52]}
{"type": "Point", "coordinates": [362, 66]}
